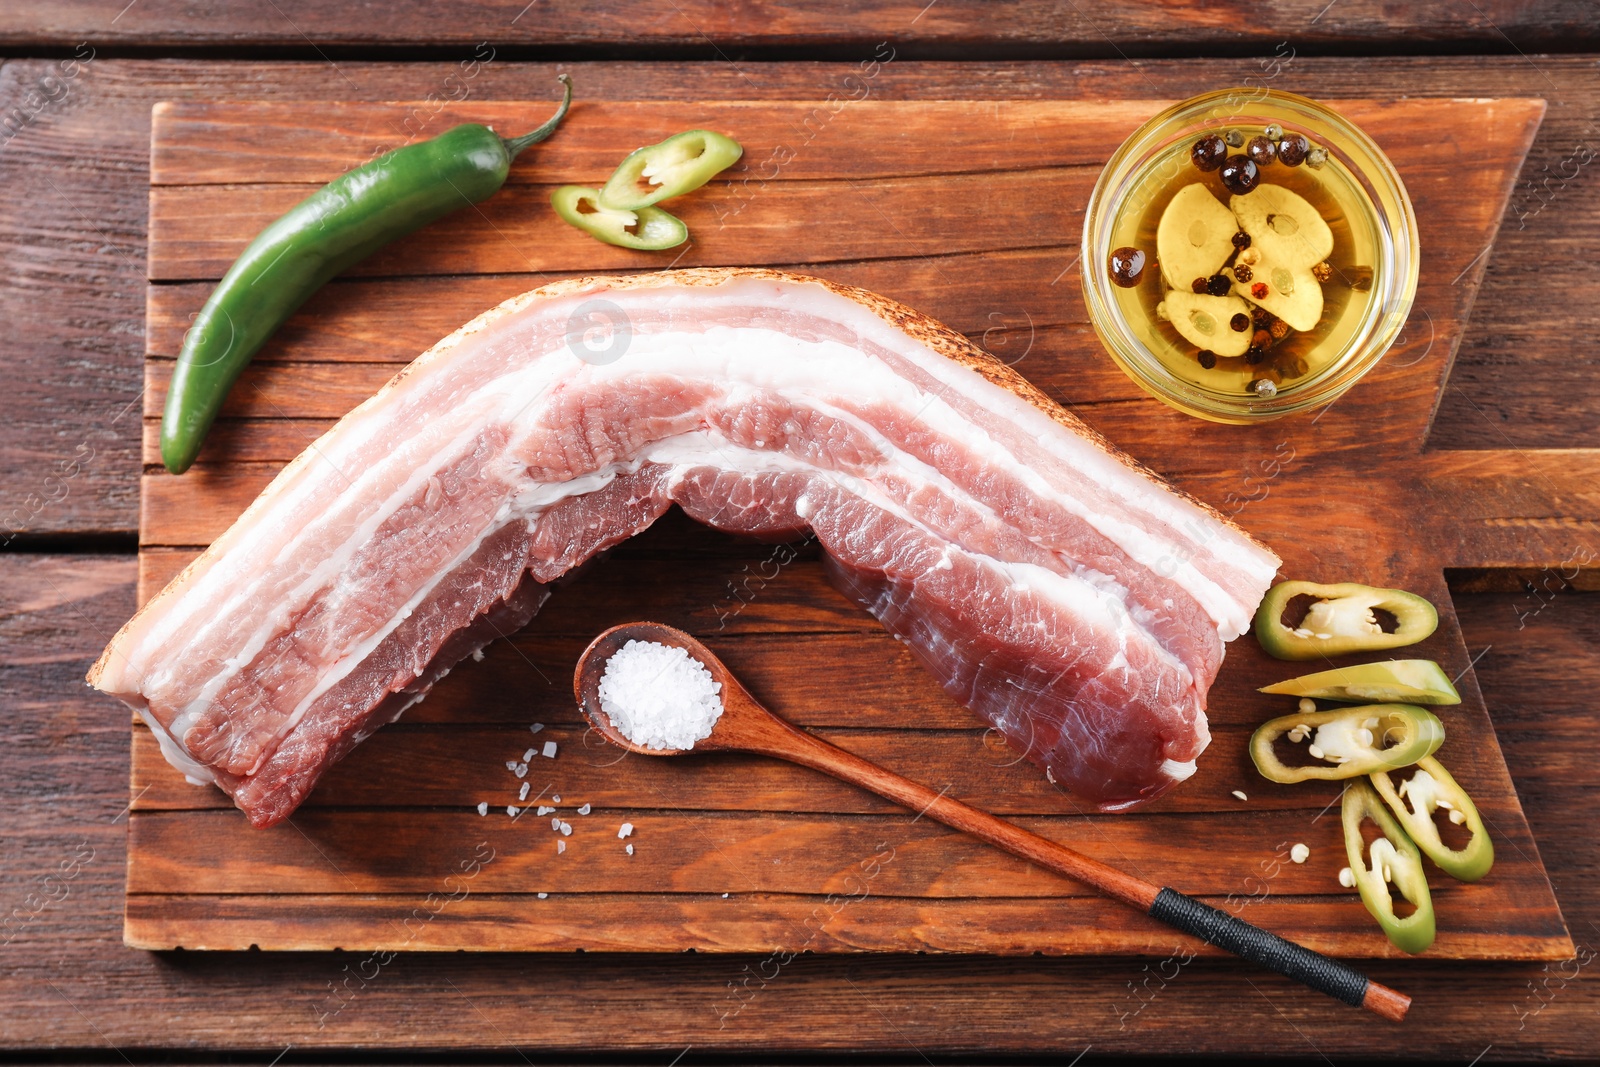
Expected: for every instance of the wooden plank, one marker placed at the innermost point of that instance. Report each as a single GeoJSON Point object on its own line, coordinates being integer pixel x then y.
{"type": "Point", "coordinates": [74, 229]}
{"type": "Point", "coordinates": [705, 29]}
{"type": "Point", "coordinates": [819, 1002]}
{"type": "Point", "coordinates": [847, 922]}
{"type": "Point", "coordinates": [207, 144]}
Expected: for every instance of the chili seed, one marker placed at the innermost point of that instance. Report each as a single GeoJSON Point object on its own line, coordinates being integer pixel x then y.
{"type": "Point", "coordinates": [1208, 152]}
{"type": "Point", "coordinates": [1127, 266]}
{"type": "Point", "coordinates": [1243, 272]}
{"type": "Point", "coordinates": [1240, 322]}
{"type": "Point", "coordinates": [1261, 151]}
{"type": "Point", "coordinates": [1218, 285]}
{"type": "Point", "coordinates": [1234, 138]}
{"type": "Point", "coordinates": [1259, 290]}
{"type": "Point", "coordinates": [1292, 149]}
{"type": "Point", "coordinates": [1198, 285]}
{"type": "Point", "coordinates": [1274, 131]}
{"type": "Point", "coordinates": [1316, 158]}
{"type": "Point", "coordinates": [1208, 358]}
{"type": "Point", "coordinates": [1240, 174]}
{"type": "Point", "coordinates": [1322, 272]}
{"type": "Point", "coordinates": [1241, 240]}
{"type": "Point", "coordinates": [1279, 330]}
{"type": "Point", "coordinates": [1361, 279]}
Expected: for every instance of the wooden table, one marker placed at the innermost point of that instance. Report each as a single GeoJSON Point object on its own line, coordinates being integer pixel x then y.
{"type": "Point", "coordinates": [74, 166]}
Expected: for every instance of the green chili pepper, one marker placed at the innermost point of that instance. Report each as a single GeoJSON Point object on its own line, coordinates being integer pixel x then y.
{"type": "Point", "coordinates": [676, 166]}
{"type": "Point", "coordinates": [332, 229]}
{"type": "Point", "coordinates": [1341, 619]}
{"type": "Point", "coordinates": [1394, 861]}
{"type": "Point", "coordinates": [649, 229]}
{"type": "Point", "coordinates": [1395, 681]}
{"type": "Point", "coordinates": [1348, 742]}
{"type": "Point", "coordinates": [1430, 788]}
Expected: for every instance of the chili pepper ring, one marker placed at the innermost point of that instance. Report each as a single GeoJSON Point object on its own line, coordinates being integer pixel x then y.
{"type": "Point", "coordinates": [329, 231]}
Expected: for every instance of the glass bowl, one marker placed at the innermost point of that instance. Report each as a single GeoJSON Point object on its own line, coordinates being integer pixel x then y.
{"type": "Point", "coordinates": [1372, 207]}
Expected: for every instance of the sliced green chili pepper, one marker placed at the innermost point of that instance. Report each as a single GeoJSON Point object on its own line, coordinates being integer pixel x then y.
{"type": "Point", "coordinates": [332, 229]}
{"type": "Point", "coordinates": [1342, 618]}
{"type": "Point", "coordinates": [1394, 860]}
{"type": "Point", "coordinates": [649, 229]}
{"type": "Point", "coordinates": [1348, 742]}
{"type": "Point", "coordinates": [1395, 681]}
{"type": "Point", "coordinates": [678, 165]}
{"type": "Point", "coordinates": [1429, 788]}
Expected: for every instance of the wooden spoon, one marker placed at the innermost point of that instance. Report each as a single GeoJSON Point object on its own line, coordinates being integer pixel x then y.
{"type": "Point", "coordinates": [747, 726]}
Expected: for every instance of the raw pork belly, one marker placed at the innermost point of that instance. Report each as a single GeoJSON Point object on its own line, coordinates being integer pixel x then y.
{"type": "Point", "coordinates": [1066, 595]}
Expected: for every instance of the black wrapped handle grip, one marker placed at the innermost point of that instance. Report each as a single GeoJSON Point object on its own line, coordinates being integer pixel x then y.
{"type": "Point", "coordinates": [1252, 943]}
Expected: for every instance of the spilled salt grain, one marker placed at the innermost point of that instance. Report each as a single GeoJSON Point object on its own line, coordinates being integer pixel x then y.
{"type": "Point", "coordinates": [511, 765]}
{"type": "Point", "coordinates": [528, 755]}
{"type": "Point", "coordinates": [549, 750]}
{"type": "Point", "coordinates": [566, 829]}
{"type": "Point", "coordinates": [630, 850]}
{"type": "Point", "coordinates": [556, 798]}
{"type": "Point", "coordinates": [536, 727]}
{"type": "Point", "coordinates": [584, 810]}
{"type": "Point", "coordinates": [513, 811]}
{"type": "Point", "coordinates": [522, 794]}
{"type": "Point", "coordinates": [724, 896]}
{"type": "Point", "coordinates": [624, 830]}
{"type": "Point", "coordinates": [561, 846]}
{"type": "Point", "coordinates": [544, 896]}
{"type": "Point", "coordinates": [483, 807]}
{"type": "Point", "coordinates": [545, 809]}
{"type": "Point", "coordinates": [520, 770]}
{"type": "Point", "coordinates": [477, 655]}
{"type": "Point", "coordinates": [658, 696]}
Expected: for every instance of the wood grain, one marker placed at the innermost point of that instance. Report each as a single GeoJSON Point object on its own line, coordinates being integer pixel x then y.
{"type": "Point", "coordinates": [965, 29]}
{"type": "Point", "coordinates": [64, 785]}
{"type": "Point", "coordinates": [713, 834]}
{"type": "Point", "coordinates": [74, 227]}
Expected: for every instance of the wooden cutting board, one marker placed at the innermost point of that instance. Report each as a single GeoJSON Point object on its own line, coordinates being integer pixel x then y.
{"type": "Point", "coordinates": [971, 212]}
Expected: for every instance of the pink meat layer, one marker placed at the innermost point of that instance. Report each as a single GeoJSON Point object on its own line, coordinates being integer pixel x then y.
{"type": "Point", "coordinates": [1068, 597]}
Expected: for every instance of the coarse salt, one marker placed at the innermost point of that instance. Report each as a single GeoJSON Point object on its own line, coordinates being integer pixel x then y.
{"type": "Point", "coordinates": [544, 896]}
{"type": "Point", "coordinates": [528, 755]}
{"type": "Point", "coordinates": [522, 794]}
{"type": "Point", "coordinates": [566, 829]}
{"type": "Point", "coordinates": [659, 697]}
{"type": "Point", "coordinates": [545, 809]}
{"type": "Point", "coordinates": [630, 850]}
{"type": "Point", "coordinates": [483, 807]}
{"type": "Point", "coordinates": [512, 810]}
{"type": "Point", "coordinates": [561, 846]}
{"type": "Point", "coordinates": [624, 830]}
{"type": "Point", "coordinates": [549, 750]}
{"type": "Point", "coordinates": [536, 727]}
{"type": "Point", "coordinates": [584, 810]}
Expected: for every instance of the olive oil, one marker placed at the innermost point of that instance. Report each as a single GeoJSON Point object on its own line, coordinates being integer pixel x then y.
{"type": "Point", "coordinates": [1265, 277]}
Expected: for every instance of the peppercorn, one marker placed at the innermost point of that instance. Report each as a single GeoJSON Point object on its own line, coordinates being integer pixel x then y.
{"type": "Point", "coordinates": [1240, 174]}
{"type": "Point", "coordinates": [1316, 158]}
{"type": "Point", "coordinates": [1127, 266]}
{"type": "Point", "coordinates": [1240, 322]}
{"type": "Point", "coordinates": [1208, 152]}
{"type": "Point", "coordinates": [1218, 285]}
{"type": "Point", "coordinates": [1292, 149]}
{"type": "Point", "coordinates": [1259, 290]}
{"type": "Point", "coordinates": [1261, 151]}
{"type": "Point", "coordinates": [1259, 316]}
{"type": "Point", "coordinates": [1241, 240]}
{"type": "Point", "coordinates": [1262, 339]}
{"type": "Point", "coordinates": [1242, 272]}
{"type": "Point", "coordinates": [1279, 330]}
{"type": "Point", "coordinates": [1198, 285]}
{"type": "Point", "coordinates": [1254, 355]}
{"type": "Point", "coordinates": [1322, 272]}
{"type": "Point", "coordinates": [1234, 138]}
{"type": "Point", "coordinates": [1207, 358]}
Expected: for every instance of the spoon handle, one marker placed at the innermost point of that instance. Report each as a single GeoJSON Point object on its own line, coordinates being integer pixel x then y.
{"type": "Point", "coordinates": [1164, 904]}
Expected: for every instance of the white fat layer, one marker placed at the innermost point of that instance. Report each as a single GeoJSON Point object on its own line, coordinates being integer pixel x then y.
{"type": "Point", "coordinates": [812, 370]}
{"type": "Point", "coordinates": [1177, 771]}
{"type": "Point", "coordinates": [197, 773]}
